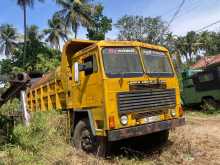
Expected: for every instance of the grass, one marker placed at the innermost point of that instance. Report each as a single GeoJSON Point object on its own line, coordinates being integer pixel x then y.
{"type": "Point", "coordinates": [43, 142]}
{"type": "Point", "coordinates": [12, 106]}
{"type": "Point", "coordinates": [28, 144]}
{"type": "Point", "coordinates": [199, 112]}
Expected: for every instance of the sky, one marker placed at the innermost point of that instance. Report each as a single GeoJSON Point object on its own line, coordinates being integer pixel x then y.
{"type": "Point", "coordinates": [194, 15]}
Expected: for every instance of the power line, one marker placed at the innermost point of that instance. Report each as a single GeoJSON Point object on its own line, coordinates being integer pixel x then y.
{"type": "Point", "coordinates": [176, 13]}
{"type": "Point", "coordinates": [207, 26]}
{"type": "Point", "coordinates": [191, 8]}
{"type": "Point", "coordinates": [196, 6]}
{"type": "Point", "coordinates": [172, 19]}
{"type": "Point", "coordinates": [169, 12]}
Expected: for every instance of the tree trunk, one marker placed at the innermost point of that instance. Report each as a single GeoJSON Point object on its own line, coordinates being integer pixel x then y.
{"type": "Point", "coordinates": [187, 59]}
{"type": "Point", "coordinates": [58, 45]}
{"type": "Point", "coordinates": [178, 61]}
{"type": "Point", "coordinates": [25, 34]}
{"type": "Point", "coordinates": [190, 54]}
{"type": "Point", "coordinates": [75, 30]}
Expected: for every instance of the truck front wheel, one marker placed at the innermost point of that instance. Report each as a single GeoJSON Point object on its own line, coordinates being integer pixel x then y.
{"type": "Point", "coordinates": [83, 139]}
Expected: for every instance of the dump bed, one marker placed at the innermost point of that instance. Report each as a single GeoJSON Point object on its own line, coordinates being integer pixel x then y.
{"type": "Point", "coordinates": [53, 90]}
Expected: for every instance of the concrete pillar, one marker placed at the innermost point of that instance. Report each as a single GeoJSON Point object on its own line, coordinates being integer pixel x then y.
{"type": "Point", "coordinates": [24, 108]}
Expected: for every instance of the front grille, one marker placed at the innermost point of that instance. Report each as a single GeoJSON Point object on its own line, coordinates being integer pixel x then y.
{"type": "Point", "coordinates": [146, 100]}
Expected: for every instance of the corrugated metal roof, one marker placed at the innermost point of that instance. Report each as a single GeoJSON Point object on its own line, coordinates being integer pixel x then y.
{"type": "Point", "coordinates": [206, 61]}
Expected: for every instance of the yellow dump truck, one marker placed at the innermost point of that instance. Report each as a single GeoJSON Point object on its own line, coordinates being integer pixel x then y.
{"type": "Point", "coordinates": [111, 90]}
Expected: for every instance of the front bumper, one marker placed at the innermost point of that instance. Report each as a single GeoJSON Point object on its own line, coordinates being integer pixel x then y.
{"type": "Point", "coordinates": [144, 129]}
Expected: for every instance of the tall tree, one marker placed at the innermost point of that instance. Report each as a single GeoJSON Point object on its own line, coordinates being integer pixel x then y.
{"type": "Point", "coordinates": [24, 4]}
{"type": "Point", "coordinates": [102, 23]}
{"type": "Point", "coordinates": [8, 37]}
{"type": "Point", "coordinates": [188, 46]}
{"type": "Point", "coordinates": [191, 44]}
{"type": "Point", "coordinates": [210, 42]}
{"type": "Point", "coordinates": [76, 13]}
{"type": "Point", "coordinates": [145, 29]}
{"type": "Point", "coordinates": [56, 31]}
{"type": "Point", "coordinates": [33, 33]}
{"type": "Point", "coordinates": [37, 53]}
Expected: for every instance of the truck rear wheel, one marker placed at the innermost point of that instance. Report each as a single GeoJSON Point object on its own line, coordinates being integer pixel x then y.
{"type": "Point", "coordinates": [83, 139]}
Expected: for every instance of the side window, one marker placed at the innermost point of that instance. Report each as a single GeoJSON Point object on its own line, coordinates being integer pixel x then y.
{"type": "Point", "coordinates": [218, 69]}
{"type": "Point", "coordinates": [90, 64]}
{"type": "Point", "coordinates": [206, 77]}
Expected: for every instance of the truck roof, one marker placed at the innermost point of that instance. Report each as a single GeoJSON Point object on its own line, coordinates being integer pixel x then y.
{"type": "Point", "coordinates": [74, 46]}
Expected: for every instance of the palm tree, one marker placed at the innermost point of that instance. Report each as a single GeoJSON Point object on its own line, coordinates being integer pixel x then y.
{"type": "Point", "coordinates": [24, 4]}
{"type": "Point", "coordinates": [8, 37]}
{"type": "Point", "coordinates": [56, 30]}
{"type": "Point", "coordinates": [76, 13]}
{"type": "Point", "coordinates": [33, 33]}
{"type": "Point", "coordinates": [191, 44]}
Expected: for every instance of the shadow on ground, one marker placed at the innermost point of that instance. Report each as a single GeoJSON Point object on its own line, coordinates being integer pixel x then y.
{"type": "Point", "coordinates": [139, 148]}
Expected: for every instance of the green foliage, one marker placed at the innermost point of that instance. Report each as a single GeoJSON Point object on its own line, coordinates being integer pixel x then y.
{"type": "Point", "coordinates": [6, 123]}
{"type": "Point", "coordinates": [45, 64]}
{"type": "Point", "coordinates": [210, 106]}
{"type": "Point", "coordinates": [34, 48]}
{"type": "Point", "coordinates": [10, 107]}
{"type": "Point", "coordinates": [103, 24]}
{"type": "Point", "coordinates": [189, 46]}
{"type": "Point", "coordinates": [42, 142]}
{"type": "Point", "coordinates": [40, 131]}
{"type": "Point", "coordinates": [56, 31]}
{"type": "Point", "coordinates": [8, 37]}
{"type": "Point", "coordinates": [75, 14]}
{"type": "Point", "coordinates": [145, 29]}
{"type": "Point", "coordinates": [25, 3]}
{"type": "Point", "coordinates": [6, 66]}
{"type": "Point", "coordinates": [39, 56]}
{"type": "Point", "coordinates": [210, 42]}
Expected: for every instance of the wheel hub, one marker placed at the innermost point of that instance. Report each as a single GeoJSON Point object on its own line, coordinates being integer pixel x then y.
{"type": "Point", "coordinates": [86, 141]}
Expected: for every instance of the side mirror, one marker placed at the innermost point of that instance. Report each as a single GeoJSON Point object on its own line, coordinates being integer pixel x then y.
{"type": "Point", "coordinates": [76, 72]}
{"type": "Point", "coordinates": [88, 68]}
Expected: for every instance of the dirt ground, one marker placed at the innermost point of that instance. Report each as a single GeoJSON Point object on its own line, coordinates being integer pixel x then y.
{"type": "Point", "coordinates": [198, 142]}
{"type": "Point", "coordinates": [202, 134]}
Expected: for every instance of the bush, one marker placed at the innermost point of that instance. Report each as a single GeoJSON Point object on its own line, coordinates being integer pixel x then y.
{"type": "Point", "coordinates": [42, 129]}
{"type": "Point", "coordinates": [10, 107]}
{"type": "Point", "coordinates": [43, 138]}
{"type": "Point", "coordinates": [210, 106]}
{"type": "Point", "coordinates": [7, 121]}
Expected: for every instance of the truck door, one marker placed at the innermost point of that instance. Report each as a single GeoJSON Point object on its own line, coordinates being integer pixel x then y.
{"type": "Point", "coordinates": [89, 90]}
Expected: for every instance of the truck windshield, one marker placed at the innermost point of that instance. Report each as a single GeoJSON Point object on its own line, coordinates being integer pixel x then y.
{"type": "Point", "coordinates": [122, 62]}
{"type": "Point", "coordinates": [156, 63]}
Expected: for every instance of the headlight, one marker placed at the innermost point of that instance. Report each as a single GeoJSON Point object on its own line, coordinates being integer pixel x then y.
{"type": "Point", "coordinates": [173, 112]}
{"type": "Point", "coordinates": [124, 120]}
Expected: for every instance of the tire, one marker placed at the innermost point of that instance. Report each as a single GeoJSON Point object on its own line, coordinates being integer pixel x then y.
{"type": "Point", "coordinates": [84, 140]}
{"type": "Point", "coordinates": [209, 104]}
